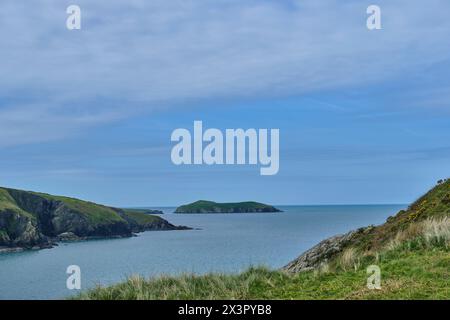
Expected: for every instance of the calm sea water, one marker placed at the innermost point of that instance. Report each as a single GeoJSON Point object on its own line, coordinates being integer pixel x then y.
{"type": "Point", "coordinates": [224, 243]}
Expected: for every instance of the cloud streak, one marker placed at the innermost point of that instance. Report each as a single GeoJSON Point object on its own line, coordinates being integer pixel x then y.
{"type": "Point", "coordinates": [135, 56]}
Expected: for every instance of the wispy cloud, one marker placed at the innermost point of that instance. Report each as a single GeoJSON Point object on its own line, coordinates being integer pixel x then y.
{"type": "Point", "coordinates": [132, 56]}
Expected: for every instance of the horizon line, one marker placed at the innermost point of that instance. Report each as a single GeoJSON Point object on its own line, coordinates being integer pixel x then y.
{"type": "Point", "coordinates": [285, 205]}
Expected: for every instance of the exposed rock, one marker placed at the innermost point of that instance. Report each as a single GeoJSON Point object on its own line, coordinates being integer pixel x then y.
{"type": "Point", "coordinates": [321, 253]}
{"type": "Point", "coordinates": [19, 230]}
{"type": "Point", "coordinates": [11, 249]}
{"type": "Point", "coordinates": [68, 236]}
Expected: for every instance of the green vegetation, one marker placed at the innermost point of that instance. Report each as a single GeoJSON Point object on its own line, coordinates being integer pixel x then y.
{"type": "Point", "coordinates": [416, 270]}
{"type": "Point", "coordinates": [145, 211]}
{"type": "Point", "coordinates": [203, 206]}
{"type": "Point", "coordinates": [412, 250]}
{"type": "Point", "coordinates": [141, 218]}
{"type": "Point", "coordinates": [7, 203]}
{"type": "Point", "coordinates": [95, 213]}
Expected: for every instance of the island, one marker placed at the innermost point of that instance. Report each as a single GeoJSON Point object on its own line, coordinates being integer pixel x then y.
{"type": "Point", "coordinates": [203, 206]}
{"type": "Point", "coordinates": [144, 210]}
{"type": "Point", "coordinates": [33, 220]}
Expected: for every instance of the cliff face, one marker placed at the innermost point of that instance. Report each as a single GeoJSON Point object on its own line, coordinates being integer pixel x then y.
{"type": "Point", "coordinates": [19, 230]}
{"type": "Point", "coordinates": [203, 206]}
{"type": "Point", "coordinates": [434, 206]}
{"type": "Point", "coordinates": [29, 219]}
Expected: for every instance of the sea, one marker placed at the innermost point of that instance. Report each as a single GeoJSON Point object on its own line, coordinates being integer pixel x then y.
{"type": "Point", "coordinates": [226, 243]}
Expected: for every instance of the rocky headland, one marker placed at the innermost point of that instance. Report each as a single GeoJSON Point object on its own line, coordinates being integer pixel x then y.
{"type": "Point", "coordinates": [32, 220]}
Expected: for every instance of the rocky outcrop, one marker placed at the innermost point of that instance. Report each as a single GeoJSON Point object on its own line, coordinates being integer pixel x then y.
{"type": "Point", "coordinates": [19, 230]}
{"type": "Point", "coordinates": [327, 250]}
{"type": "Point", "coordinates": [320, 254]}
{"type": "Point", "coordinates": [161, 225]}
{"type": "Point", "coordinates": [68, 237]}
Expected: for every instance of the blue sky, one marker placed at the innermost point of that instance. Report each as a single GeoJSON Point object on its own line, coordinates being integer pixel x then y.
{"type": "Point", "coordinates": [363, 115]}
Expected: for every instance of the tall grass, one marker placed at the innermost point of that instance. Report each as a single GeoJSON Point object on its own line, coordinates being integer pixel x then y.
{"type": "Point", "coordinates": [349, 259]}
{"type": "Point", "coordinates": [189, 286]}
{"type": "Point", "coordinates": [437, 231]}
{"type": "Point", "coordinates": [426, 234]}
{"type": "Point", "coordinates": [429, 233]}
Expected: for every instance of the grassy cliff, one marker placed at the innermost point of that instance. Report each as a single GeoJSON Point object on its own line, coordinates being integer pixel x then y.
{"type": "Point", "coordinates": [412, 250]}
{"type": "Point", "coordinates": [203, 206]}
{"type": "Point", "coordinates": [32, 219]}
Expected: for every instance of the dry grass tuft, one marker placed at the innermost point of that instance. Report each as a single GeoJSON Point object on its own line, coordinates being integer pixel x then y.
{"type": "Point", "coordinates": [437, 231]}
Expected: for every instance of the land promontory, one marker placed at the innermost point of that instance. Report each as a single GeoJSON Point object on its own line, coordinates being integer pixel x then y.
{"type": "Point", "coordinates": [203, 206]}
{"type": "Point", "coordinates": [32, 220]}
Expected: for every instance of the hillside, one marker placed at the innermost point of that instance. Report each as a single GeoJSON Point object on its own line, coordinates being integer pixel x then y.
{"type": "Point", "coordinates": [412, 250]}
{"type": "Point", "coordinates": [203, 206]}
{"type": "Point", "coordinates": [36, 220]}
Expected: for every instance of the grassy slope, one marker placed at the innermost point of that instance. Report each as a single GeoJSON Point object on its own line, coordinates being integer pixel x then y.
{"type": "Point", "coordinates": [141, 218]}
{"type": "Point", "coordinates": [210, 205]}
{"type": "Point", "coordinates": [8, 203]}
{"type": "Point", "coordinates": [412, 249]}
{"type": "Point", "coordinates": [95, 213]}
{"type": "Point", "coordinates": [145, 211]}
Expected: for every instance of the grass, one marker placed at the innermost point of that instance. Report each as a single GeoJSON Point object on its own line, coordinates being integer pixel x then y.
{"type": "Point", "coordinates": [140, 217]}
{"type": "Point", "coordinates": [95, 213]}
{"type": "Point", "coordinates": [99, 214]}
{"type": "Point", "coordinates": [437, 230]}
{"type": "Point", "coordinates": [145, 211]}
{"type": "Point", "coordinates": [418, 268]}
{"type": "Point", "coordinates": [7, 203]}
